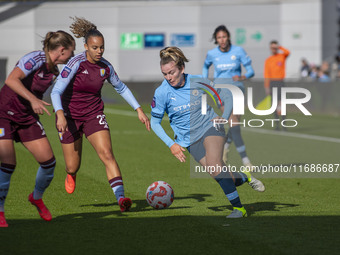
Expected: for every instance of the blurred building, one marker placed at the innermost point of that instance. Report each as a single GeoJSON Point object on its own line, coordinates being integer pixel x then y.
{"type": "Point", "coordinates": [135, 31]}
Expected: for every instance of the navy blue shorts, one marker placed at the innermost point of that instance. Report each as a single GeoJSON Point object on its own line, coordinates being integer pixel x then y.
{"type": "Point", "coordinates": [197, 149]}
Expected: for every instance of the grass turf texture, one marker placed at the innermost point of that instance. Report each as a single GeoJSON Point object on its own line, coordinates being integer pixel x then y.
{"type": "Point", "coordinates": [293, 216]}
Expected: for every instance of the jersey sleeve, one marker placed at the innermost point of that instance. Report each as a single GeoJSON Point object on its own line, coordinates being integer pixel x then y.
{"type": "Point", "coordinates": [246, 62]}
{"type": "Point", "coordinates": [159, 131]}
{"type": "Point", "coordinates": [285, 51]}
{"type": "Point", "coordinates": [158, 104]}
{"type": "Point", "coordinates": [207, 63]}
{"type": "Point", "coordinates": [63, 79]}
{"type": "Point", "coordinates": [31, 62]}
{"type": "Point", "coordinates": [266, 72]}
{"type": "Point", "coordinates": [121, 88]}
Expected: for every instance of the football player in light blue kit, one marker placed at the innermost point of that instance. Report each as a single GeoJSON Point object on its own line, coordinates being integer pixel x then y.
{"type": "Point", "coordinates": [227, 60]}
{"type": "Point", "coordinates": [181, 100]}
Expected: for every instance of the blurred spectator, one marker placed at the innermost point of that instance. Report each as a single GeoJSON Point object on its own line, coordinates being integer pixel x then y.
{"type": "Point", "coordinates": [323, 76]}
{"type": "Point", "coordinates": [325, 66]}
{"type": "Point", "coordinates": [305, 70]}
{"type": "Point", "coordinates": [320, 73]}
{"type": "Point", "coordinates": [335, 74]}
{"type": "Point", "coordinates": [314, 72]}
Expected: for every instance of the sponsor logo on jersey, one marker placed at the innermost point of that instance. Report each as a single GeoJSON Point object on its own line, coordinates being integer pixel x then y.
{"type": "Point", "coordinates": [102, 72]}
{"type": "Point", "coordinates": [29, 64]}
{"type": "Point", "coordinates": [173, 98]}
{"type": "Point", "coordinates": [2, 132]}
{"type": "Point", "coordinates": [10, 113]}
{"type": "Point", "coordinates": [226, 66]}
{"type": "Point", "coordinates": [233, 57]}
{"type": "Point", "coordinates": [153, 103]}
{"type": "Point", "coordinates": [85, 72]}
{"type": "Point", "coordinates": [66, 71]}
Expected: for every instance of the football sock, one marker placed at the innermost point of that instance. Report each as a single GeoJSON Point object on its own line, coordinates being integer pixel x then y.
{"type": "Point", "coordinates": [245, 160]}
{"type": "Point", "coordinates": [44, 177]}
{"type": "Point", "coordinates": [229, 138]}
{"type": "Point", "coordinates": [236, 135]}
{"type": "Point", "coordinates": [228, 186]}
{"type": "Point", "coordinates": [117, 187]}
{"type": "Point", "coordinates": [240, 178]}
{"type": "Point", "coordinates": [6, 171]}
{"type": "Point", "coordinates": [227, 145]}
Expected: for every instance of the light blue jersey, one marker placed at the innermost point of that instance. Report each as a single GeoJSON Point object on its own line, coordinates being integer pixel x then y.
{"type": "Point", "coordinates": [228, 64]}
{"type": "Point", "coordinates": [183, 106]}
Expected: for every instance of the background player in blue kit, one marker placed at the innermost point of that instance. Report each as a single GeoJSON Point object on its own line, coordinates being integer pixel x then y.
{"type": "Point", "coordinates": [193, 130]}
{"type": "Point", "coordinates": [76, 98]}
{"type": "Point", "coordinates": [20, 103]}
{"type": "Point", "coordinates": [227, 60]}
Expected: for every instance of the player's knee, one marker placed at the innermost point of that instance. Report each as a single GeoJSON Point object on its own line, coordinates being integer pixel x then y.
{"type": "Point", "coordinates": [106, 155]}
{"type": "Point", "coordinates": [72, 167]}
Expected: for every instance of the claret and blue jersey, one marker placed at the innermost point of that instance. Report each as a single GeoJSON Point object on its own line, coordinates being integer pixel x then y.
{"type": "Point", "coordinates": [80, 83]}
{"type": "Point", "coordinates": [38, 78]}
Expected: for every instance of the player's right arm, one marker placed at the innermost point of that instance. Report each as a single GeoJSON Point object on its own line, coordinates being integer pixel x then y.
{"type": "Point", "coordinates": [26, 66]}
{"type": "Point", "coordinates": [158, 107]}
{"type": "Point", "coordinates": [206, 65]}
{"type": "Point", "coordinates": [267, 77]}
{"type": "Point", "coordinates": [63, 80]}
{"type": "Point", "coordinates": [285, 51]}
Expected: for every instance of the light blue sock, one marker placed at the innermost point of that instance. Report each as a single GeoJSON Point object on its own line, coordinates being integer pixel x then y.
{"type": "Point", "coordinates": [6, 171]}
{"type": "Point", "coordinates": [44, 177]}
{"type": "Point", "coordinates": [117, 187]}
{"type": "Point", "coordinates": [228, 186]}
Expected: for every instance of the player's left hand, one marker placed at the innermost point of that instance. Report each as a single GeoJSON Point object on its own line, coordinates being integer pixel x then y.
{"type": "Point", "coordinates": [143, 118]}
{"type": "Point", "coordinates": [239, 78]}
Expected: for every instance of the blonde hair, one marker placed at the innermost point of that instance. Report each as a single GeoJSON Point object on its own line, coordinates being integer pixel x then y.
{"type": "Point", "coordinates": [175, 54]}
{"type": "Point", "coordinates": [84, 28]}
{"type": "Point", "coordinates": [52, 41]}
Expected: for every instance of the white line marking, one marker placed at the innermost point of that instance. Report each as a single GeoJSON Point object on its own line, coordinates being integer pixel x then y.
{"type": "Point", "coordinates": [290, 134]}
{"type": "Point", "coordinates": [254, 130]}
{"type": "Point", "coordinates": [128, 113]}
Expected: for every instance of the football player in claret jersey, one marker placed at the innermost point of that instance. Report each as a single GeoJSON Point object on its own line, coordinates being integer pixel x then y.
{"type": "Point", "coordinates": [20, 103]}
{"type": "Point", "coordinates": [192, 129]}
{"type": "Point", "coordinates": [76, 98]}
{"type": "Point", "coordinates": [227, 60]}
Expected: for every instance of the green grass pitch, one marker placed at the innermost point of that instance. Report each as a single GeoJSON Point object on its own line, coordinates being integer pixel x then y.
{"type": "Point", "coordinates": [293, 216]}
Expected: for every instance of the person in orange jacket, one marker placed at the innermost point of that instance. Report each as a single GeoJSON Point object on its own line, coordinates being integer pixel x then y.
{"type": "Point", "coordinates": [274, 73]}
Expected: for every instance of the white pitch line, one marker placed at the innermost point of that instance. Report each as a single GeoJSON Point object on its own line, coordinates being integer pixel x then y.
{"type": "Point", "coordinates": [127, 113]}
{"type": "Point", "coordinates": [254, 130]}
{"type": "Point", "coordinates": [290, 134]}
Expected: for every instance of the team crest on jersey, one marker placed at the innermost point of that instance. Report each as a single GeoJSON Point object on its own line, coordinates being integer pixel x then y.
{"type": "Point", "coordinates": [102, 72]}
{"type": "Point", "coordinates": [66, 71]}
{"type": "Point", "coordinates": [195, 92]}
{"type": "Point", "coordinates": [153, 103]}
{"type": "Point", "coordinates": [2, 132]}
{"type": "Point", "coordinates": [29, 64]}
{"type": "Point", "coordinates": [233, 57]}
